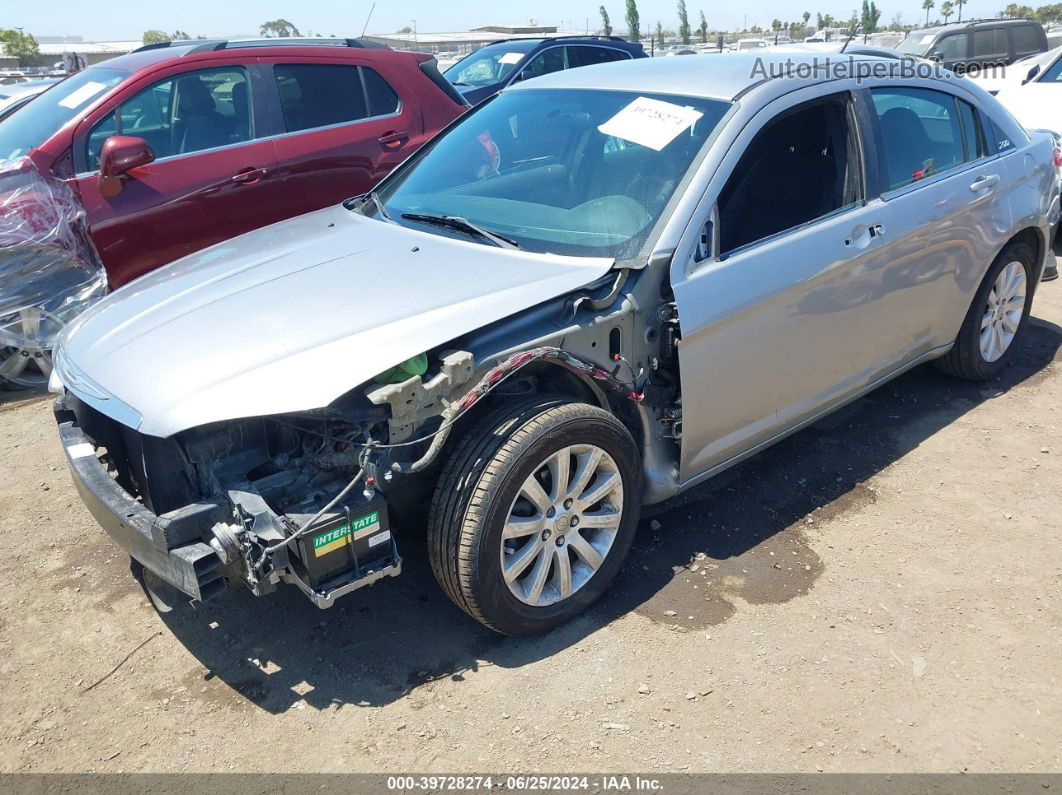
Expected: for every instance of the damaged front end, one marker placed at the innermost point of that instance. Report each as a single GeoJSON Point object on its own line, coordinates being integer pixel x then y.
{"type": "Point", "coordinates": [304, 498]}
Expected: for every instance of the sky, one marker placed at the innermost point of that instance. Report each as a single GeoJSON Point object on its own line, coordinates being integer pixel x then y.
{"type": "Point", "coordinates": [108, 20]}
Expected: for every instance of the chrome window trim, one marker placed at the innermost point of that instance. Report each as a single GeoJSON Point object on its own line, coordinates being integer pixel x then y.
{"type": "Point", "coordinates": [278, 136]}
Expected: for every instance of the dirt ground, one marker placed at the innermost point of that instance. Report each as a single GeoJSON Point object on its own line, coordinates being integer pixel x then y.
{"type": "Point", "coordinates": [881, 592]}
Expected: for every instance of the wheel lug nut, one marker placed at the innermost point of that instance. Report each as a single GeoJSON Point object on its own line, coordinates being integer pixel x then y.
{"type": "Point", "coordinates": [575, 521]}
{"type": "Point", "coordinates": [568, 503]}
{"type": "Point", "coordinates": [551, 512]}
{"type": "Point", "coordinates": [560, 541]}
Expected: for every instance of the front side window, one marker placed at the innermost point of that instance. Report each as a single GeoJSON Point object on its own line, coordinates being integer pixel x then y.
{"type": "Point", "coordinates": [552, 59]}
{"type": "Point", "coordinates": [990, 42]}
{"type": "Point", "coordinates": [920, 133]}
{"type": "Point", "coordinates": [800, 167]}
{"type": "Point", "coordinates": [564, 171]}
{"type": "Point", "coordinates": [39, 120]}
{"type": "Point", "coordinates": [186, 113]}
{"type": "Point", "coordinates": [951, 48]}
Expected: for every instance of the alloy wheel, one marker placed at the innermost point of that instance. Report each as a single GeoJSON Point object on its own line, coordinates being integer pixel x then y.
{"type": "Point", "coordinates": [25, 347]}
{"type": "Point", "coordinates": [562, 525]}
{"type": "Point", "coordinates": [1003, 313]}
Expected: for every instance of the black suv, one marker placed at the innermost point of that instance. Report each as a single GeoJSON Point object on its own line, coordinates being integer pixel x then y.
{"type": "Point", "coordinates": [980, 42]}
{"type": "Point", "coordinates": [488, 70]}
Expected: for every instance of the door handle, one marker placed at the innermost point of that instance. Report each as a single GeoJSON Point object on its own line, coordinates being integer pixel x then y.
{"type": "Point", "coordinates": [249, 175]}
{"type": "Point", "coordinates": [862, 236]}
{"type": "Point", "coordinates": [393, 137]}
{"type": "Point", "coordinates": [984, 183]}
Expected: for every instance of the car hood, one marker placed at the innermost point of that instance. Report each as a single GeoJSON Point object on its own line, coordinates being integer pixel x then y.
{"type": "Point", "coordinates": [1035, 105]}
{"type": "Point", "coordinates": [290, 317]}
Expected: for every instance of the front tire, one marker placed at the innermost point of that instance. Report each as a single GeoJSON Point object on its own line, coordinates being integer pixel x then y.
{"type": "Point", "coordinates": [996, 320]}
{"type": "Point", "coordinates": [534, 513]}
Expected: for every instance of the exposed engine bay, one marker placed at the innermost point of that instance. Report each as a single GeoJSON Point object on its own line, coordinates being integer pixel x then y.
{"type": "Point", "coordinates": [306, 498]}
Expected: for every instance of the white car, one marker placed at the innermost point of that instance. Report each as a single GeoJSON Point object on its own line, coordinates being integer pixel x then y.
{"type": "Point", "coordinates": [16, 95]}
{"type": "Point", "coordinates": [744, 45]}
{"type": "Point", "coordinates": [1033, 93]}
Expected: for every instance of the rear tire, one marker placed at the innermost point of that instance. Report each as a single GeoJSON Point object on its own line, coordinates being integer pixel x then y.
{"type": "Point", "coordinates": [995, 323]}
{"type": "Point", "coordinates": [523, 559]}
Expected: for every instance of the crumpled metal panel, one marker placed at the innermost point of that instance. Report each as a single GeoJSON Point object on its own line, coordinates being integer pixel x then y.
{"type": "Point", "coordinates": [49, 270]}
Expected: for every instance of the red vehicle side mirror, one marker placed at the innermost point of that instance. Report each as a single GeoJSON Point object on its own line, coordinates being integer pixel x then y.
{"type": "Point", "coordinates": [119, 154]}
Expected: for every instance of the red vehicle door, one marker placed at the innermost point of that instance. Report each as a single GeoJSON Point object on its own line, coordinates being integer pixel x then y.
{"type": "Point", "coordinates": [345, 124]}
{"type": "Point", "coordinates": [212, 177]}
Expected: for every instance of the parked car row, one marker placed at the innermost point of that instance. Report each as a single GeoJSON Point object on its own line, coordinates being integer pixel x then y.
{"type": "Point", "coordinates": [590, 292]}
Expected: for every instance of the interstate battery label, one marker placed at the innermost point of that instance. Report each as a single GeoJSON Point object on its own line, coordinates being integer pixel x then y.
{"type": "Point", "coordinates": [345, 533]}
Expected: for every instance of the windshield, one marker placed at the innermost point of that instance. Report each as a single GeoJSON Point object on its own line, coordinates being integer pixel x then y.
{"type": "Point", "coordinates": [566, 171]}
{"type": "Point", "coordinates": [918, 43]}
{"type": "Point", "coordinates": [487, 66]}
{"type": "Point", "coordinates": [1052, 72]}
{"type": "Point", "coordinates": [38, 120]}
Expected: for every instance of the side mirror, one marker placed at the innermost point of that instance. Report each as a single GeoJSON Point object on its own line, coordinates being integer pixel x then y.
{"type": "Point", "coordinates": [120, 154]}
{"type": "Point", "coordinates": [1032, 73]}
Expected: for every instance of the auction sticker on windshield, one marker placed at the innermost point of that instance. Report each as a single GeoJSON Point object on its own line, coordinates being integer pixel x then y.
{"type": "Point", "coordinates": [82, 95]}
{"type": "Point", "coordinates": [511, 57]}
{"type": "Point", "coordinates": [650, 122]}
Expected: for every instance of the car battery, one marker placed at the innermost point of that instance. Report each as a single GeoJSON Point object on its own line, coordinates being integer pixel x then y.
{"type": "Point", "coordinates": [349, 542]}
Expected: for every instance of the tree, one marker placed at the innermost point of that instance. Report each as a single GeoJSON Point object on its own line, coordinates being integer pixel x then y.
{"type": "Point", "coordinates": [947, 8]}
{"type": "Point", "coordinates": [818, 22]}
{"type": "Point", "coordinates": [684, 22]}
{"type": "Point", "coordinates": [22, 46]}
{"type": "Point", "coordinates": [280, 28]}
{"type": "Point", "coordinates": [807, 17]}
{"type": "Point", "coordinates": [606, 23]}
{"type": "Point", "coordinates": [776, 24]}
{"type": "Point", "coordinates": [928, 6]}
{"type": "Point", "coordinates": [1049, 13]}
{"type": "Point", "coordinates": [155, 36]}
{"type": "Point", "coordinates": [634, 22]}
{"type": "Point", "coordinates": [896, 26]}
{"type": "Point", "coordinates": [870, 17]}
{"type": "Point", "coordinates": [406, 29]}
{"type": "Point", "coordinates": [959, 4]}
{"type": "Point", "coordinates": [702, 29]}
{"type": "Point", "coordinates": [659, 34]}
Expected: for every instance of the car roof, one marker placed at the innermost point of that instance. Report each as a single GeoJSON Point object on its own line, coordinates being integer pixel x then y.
{"type": "Point", "coordinates": [151, 55]}
{"type": "Point", "coordinates": [972, 23]}
{"type": "Point", "coordinates": [725, 77]}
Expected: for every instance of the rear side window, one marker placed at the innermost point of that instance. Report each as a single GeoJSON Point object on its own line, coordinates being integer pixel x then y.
{"type": "Point", "coordinates": [382, 98]}
{"type": "Point", "coordinates": [989, 42]}
{"type": "Point", "coordinates": [319, 95]}
{"type": "Point", "coordinates": [190, 112]}
{"type": "Point", "coordinates": [588, 56]}
{"type": "Point", "coordinates": [973, 136]}
{"type": "Point", "coordinates": [920, 133]}
{"type": "Point", "coordinates": [999, 139]}
{"type": "Point", "coordinates": [1026, 40]}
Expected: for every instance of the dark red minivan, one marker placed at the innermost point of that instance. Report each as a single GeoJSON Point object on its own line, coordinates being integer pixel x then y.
{"type": "Point", "coordinates": [180, 145]}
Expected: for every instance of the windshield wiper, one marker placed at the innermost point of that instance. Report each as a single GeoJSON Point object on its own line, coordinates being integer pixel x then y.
{"type": "Point", "coordinates": [462, 224]}
{"type": "Point", "coordinates": [358, 203]}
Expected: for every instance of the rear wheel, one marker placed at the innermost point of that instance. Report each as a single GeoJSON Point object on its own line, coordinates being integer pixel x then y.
{"type": "Point", "coordinates": [996, 320]}
{"type": "Point", "coordinates": [534, 513]}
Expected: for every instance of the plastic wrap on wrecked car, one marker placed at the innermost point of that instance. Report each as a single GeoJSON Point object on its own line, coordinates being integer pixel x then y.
{"type": "Point", "coordinates": [47, 260]}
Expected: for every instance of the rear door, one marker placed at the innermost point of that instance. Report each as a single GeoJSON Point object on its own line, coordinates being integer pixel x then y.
{"type": "Point", "coordinates": [344, 124]}
{"type": "Point", "coordinates": [990, 47]}
{"type": "Point", "coordinates": [212, 177]}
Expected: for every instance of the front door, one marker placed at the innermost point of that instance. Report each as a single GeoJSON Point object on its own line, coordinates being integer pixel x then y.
{"type": "Point", "coordinates": [211, 179]}
{"type": "Point", "coordinates": [785, 310]}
